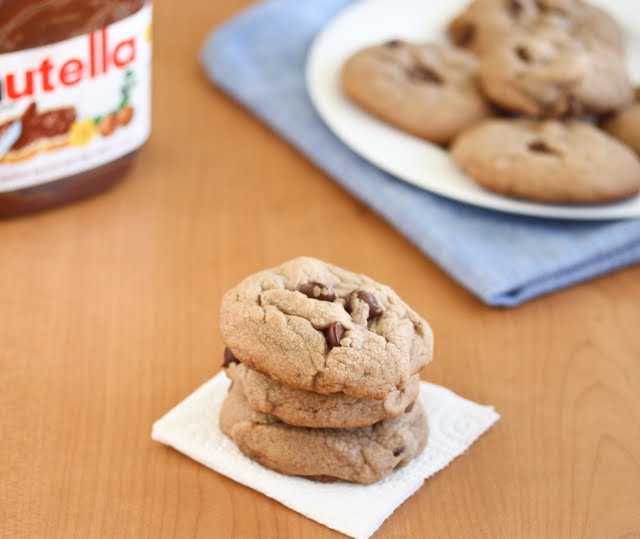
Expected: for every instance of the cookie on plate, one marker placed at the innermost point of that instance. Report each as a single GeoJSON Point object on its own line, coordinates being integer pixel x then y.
{"type": "Point", "coordinates": [427, 89]}
{"type": "Point", "coordinates": [485, 23]}
{"type": "Point", "coordinates": [546, 73]}
{"type": "Point", "coordinates": [306, 409]}
{"type": "Point", "coordinates": [625, 125]}
{"type": "Point", "coordinates": [551, 161]}
{"type": "Point", "coordinates": [586, 22]}
{"type": "Point", "coordinates": [313, 326]}
{"type": "Point", "coordinates": [363, 455]}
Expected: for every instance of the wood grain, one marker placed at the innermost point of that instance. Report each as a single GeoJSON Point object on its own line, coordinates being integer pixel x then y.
{"type": "Point", "coordinates": [108, 317]}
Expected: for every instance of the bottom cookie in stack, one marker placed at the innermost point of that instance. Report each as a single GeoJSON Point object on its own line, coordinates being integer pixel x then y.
{"type": "Point", "coordinates": [360, 455]}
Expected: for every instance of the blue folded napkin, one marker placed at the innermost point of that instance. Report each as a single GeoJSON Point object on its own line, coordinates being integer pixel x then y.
{"type": "Point", "coordinates": [259, 58]}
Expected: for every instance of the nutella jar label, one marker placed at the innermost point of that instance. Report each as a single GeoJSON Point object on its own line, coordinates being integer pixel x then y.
{"type": "Point", "coordinates": [75, 105]}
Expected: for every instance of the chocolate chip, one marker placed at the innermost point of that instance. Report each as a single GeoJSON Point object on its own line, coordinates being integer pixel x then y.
{"type": "Point", "coordinates": [549, 110]}
{"type": "Point", "coordinates": [606, 116]}
{"type": "Point", "coordinates": [229, 358]}
{"type": "Point", "coordinates": [464, 36]}
{"type": "Point", "coordinates": [319, 291]}
{"type": "Point", "coordinates": [523, 54]}
{"type": "Point", "coordinates": [393, 44]}
{"type": "Point", "coordinates": [375, 309]}
{"type": "Point", "coordinates": [409, 408]}
{"type": "Point", "coordinates": [540, 146]}
{"type": "Point", "coordinates": [546, 8]}
{"type": "Point", "coordinates": [398, 451]}
{"type": "Point", "coordinates": [424, 74]}
{"type": "Point", "coordinates": [515, 7]}
{"type": "Point", "coordinates": [574, 107]}
{"type": "Point", "coordinates": [334, 334]}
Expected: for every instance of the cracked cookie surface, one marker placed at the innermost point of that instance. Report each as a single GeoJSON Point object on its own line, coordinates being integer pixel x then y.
{"type": "Point", "coordinates": [363, 455]}
{"type": "Point", "coordinates": [306, 409]}
{"type": "Point", "coordinates": [428, 89]}
{"type": "Point", "coordinates": [364, 348]}
{"type": "Point", "coordinates": [551, 161]}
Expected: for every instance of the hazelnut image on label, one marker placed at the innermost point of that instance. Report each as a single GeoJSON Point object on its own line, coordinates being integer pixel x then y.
{"type": "Point", "coordinates": [125, 115]}
{"type": "Point", "coordinates": [108, 125]}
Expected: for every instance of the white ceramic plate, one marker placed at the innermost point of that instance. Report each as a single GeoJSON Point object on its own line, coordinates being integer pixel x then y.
{"type": "Point", "coordinates": [407, 157]}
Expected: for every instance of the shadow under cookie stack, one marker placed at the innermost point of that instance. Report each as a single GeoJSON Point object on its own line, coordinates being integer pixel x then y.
{"type": "Point", "coordinates": [533, 98]}
{"type": "Point", "coordinates": [324, 370]}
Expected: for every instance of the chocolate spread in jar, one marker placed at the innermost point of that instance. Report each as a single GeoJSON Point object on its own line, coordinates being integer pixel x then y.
{"type": "Point", "coordinates": [74, 97]}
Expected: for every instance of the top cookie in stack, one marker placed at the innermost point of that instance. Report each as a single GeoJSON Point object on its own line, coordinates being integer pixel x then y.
{"type": "Point", "coordinates": [316, 327]}
{"type": "Point", "coordinates": [325, 361]}
{"type": "Point", "coordinates": [551, 70]}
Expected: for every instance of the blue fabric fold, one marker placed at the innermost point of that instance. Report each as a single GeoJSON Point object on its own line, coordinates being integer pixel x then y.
{"type": "Point", "coordinates": [259, 59]}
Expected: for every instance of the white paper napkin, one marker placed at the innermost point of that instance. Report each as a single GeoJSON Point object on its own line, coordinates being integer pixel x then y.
{"type": "Point", "coordinates": [192, 428]}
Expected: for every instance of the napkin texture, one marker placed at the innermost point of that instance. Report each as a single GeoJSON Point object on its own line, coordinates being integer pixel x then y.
{"type": "Point", "coordinates": [193, 428]}
{"type": "Point", "coordinates": [259, 59]}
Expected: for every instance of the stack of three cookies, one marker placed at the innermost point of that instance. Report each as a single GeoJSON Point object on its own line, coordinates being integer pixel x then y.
{"type": "Point", "coordinates": [324, 366]}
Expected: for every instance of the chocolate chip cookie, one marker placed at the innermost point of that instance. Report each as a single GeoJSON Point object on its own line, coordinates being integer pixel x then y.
{"type": "Point", "coordinates": [427, 89]}
{"type": "Point", "coordinates": [306, 409]}
{"type": "Point", "coordinates": [547, 73]}
{"type": "Point", "coordinates": [625, 125]}
{"type": "Point", "coordinates": [485, 23]}
{"type": "Point", "coordinates": [590, 23]}
{"type": "Point", "coordinates": [363, 455]}
{"type": "Point", "coordinates": [313, 326]}
{"type": "Point", "coordinates": [550, 161]}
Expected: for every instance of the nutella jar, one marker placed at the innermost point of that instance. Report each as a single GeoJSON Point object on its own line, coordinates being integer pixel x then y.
{"type": "Point", "coordinates": [75, 97]}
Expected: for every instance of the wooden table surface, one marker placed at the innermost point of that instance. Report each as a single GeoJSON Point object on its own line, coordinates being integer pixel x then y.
{"type": "Point", "coordinates": [108, 318]}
